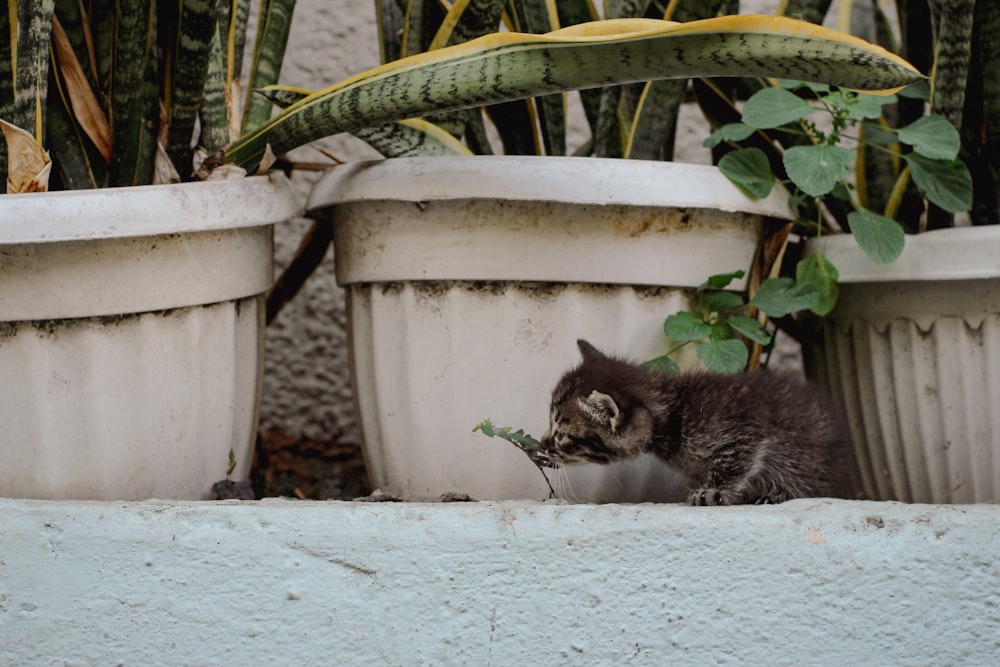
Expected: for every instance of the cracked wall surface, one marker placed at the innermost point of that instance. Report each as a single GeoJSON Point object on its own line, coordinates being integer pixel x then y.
{"type": "Point", "coordinates": [813, 582]}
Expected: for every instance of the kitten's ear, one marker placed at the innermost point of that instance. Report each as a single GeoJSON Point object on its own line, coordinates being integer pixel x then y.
{"type": "Point", "coordinates": [602, 409]}
{"type": "Point", "coordinates": [588, 351]}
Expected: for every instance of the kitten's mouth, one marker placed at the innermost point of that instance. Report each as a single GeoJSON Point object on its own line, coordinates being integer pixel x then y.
{"type": "Point", "coordinates": [549, 461]}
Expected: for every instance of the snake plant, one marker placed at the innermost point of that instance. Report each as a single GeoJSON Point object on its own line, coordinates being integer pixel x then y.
{"type": "Point", "coordinates": [511, 66]}
{"type": "Point", "coordinates": [116, 93]}
{"type": "Point", "coordinates": [131, 81]}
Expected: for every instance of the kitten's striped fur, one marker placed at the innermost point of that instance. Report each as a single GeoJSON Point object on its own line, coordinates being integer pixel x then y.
{"type": "Point", "coordinates": [756, 437]}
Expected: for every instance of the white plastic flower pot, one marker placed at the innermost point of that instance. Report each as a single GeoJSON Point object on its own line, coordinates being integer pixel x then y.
{"type": "Point", "coordinates": [911, 355]}
{"type": "Point", "coordinates": [131, 338]}
{"type": "Point", "coordinates": [469, 281]}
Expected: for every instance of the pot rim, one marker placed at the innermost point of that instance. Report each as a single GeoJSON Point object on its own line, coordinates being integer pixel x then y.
{"type": "Point", "coordinates": [956, 253]}
{"type": "Point", "coordinates": [145, 210]}
{"type": "Point", "coordinates": [574, 180]}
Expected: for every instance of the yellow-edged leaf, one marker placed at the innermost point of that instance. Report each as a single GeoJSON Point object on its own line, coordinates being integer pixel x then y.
{"type": "Point", "coordinates": [509, 66]}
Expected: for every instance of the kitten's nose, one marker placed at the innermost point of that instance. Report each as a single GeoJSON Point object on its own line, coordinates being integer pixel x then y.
{"type": "Point", "coordinates": [549, 459]}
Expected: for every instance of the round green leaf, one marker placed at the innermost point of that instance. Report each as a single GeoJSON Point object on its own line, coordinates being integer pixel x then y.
{"type": "Point", "coordinates": [663, 364]}
{"type": "Point", "coordinates": [880, 237]}
{"type": "Point", "coordinates": [721, 330]}
{"type": "Point", "coordinates": [933, 137]}
{"type": "Point", "coordinates": [721, 280]}
{"type": "Point", "coordinates": [821, 272]}
{"type": "Point", "coordinates": [749, 170]}
{"type": "Point", "coordinates": [863, 106]}
{"type": "Point", "coordinates": [817, 169]}
{"type": "Point", "coordinates": [685, 326]}
{"type": "Point", "coordinates": [773, 107]}
{"type": "Point", "coordinates": [728, 132]}
{"type": "Point", "coordinates": [779, 296]}
{"type": "Point", "coordinates": [947, 184]}
{"type": "Point", "coordinates": [718, 301]}
{"type": "Point", "coordinates": [724, 356]}
{"type": "Point", "coordinates": [750, 328]}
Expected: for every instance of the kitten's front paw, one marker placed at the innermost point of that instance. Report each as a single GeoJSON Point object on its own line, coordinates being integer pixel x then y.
{"type": "Point", "coordinates": [708, 495]}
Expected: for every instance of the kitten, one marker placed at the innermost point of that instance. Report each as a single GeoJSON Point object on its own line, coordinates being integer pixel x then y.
{"type": "Point", "coordinates": [756, 437]}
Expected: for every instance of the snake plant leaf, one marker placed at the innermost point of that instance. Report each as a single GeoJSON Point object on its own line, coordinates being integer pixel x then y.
{"type": "Point", "coordinates": [134, 96]}
{"type": "Point", "coordinates": [509, 66]}
{"type": "Point", "coordinates": [516, 123]}
{"type": "Point", "coordinates": [421, 23]}
{"type": "Point", "coordinates": [813, 11]}
{"type": "Point", "coordinates": [390, 20]}
{"type": "Point", "coordinates": [654, 121]}
{"type": "Point", "coordinates": [196, 25]}
{"type": "Point", "coordinates": [268, 52]}
{"type": "Point", "coordinates": [573, 12]}
{"type": "Point", "coordinates": [283, 96]}
{"type": "Point", "coordinates": [221, 110]}
{"type": "Point", "coordinates": [987, 208]}
{"type": "Point", "coordinates": [876, 171]}
{"type": "Point", "coordinates": [536, 17]}
{"type": "Point", "coordinates": [951, 58]}
{"type": "Point", "coordinates": [411, 138]}
{"type": "Point", "coordinates": [466, 20]}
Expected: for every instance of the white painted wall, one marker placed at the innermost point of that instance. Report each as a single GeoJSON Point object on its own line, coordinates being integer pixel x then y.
{"type": "Point", "coordinates": [809, 582]}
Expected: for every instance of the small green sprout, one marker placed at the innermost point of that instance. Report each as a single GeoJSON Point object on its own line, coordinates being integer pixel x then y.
{"type": "Point", "coordinates": [527, 444]}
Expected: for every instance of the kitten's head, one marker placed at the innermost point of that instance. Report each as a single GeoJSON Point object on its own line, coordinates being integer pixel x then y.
{"type": "Point", "coordinates": [595, 414]}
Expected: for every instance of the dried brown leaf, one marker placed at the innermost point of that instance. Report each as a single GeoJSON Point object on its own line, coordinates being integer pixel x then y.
{"type": "Point", "coordinates": [28, 164]}
{"type": "Point", "coordinates": [86, 109]}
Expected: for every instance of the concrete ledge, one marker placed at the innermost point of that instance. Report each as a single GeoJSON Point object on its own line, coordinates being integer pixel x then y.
{"type": "Point", "coordinates": [304, 583]}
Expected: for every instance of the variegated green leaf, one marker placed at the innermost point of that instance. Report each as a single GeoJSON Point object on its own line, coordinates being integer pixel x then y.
{"type": "Point", "coordinates": [511, 66]}
{"type": "Point", "coordinates": [134, 113]}
{"type": "Point", "coordinates": [411, 138]}
{"type": "Point", "coordinates": [268, 53]}
{"type": "Point", "coordinates": [190, 54]}
{"type": "Point", "coordinates": [654, 121]}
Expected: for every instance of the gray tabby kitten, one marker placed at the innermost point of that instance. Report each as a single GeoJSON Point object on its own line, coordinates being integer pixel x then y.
{"type": "Point", "coordinates": [755, 437]}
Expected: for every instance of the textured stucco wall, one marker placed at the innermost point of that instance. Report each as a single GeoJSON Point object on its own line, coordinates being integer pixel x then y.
{"type": "Point", "coordinates": [810, 582]}
{"type": "Point", "coordinates": [306, 384]}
